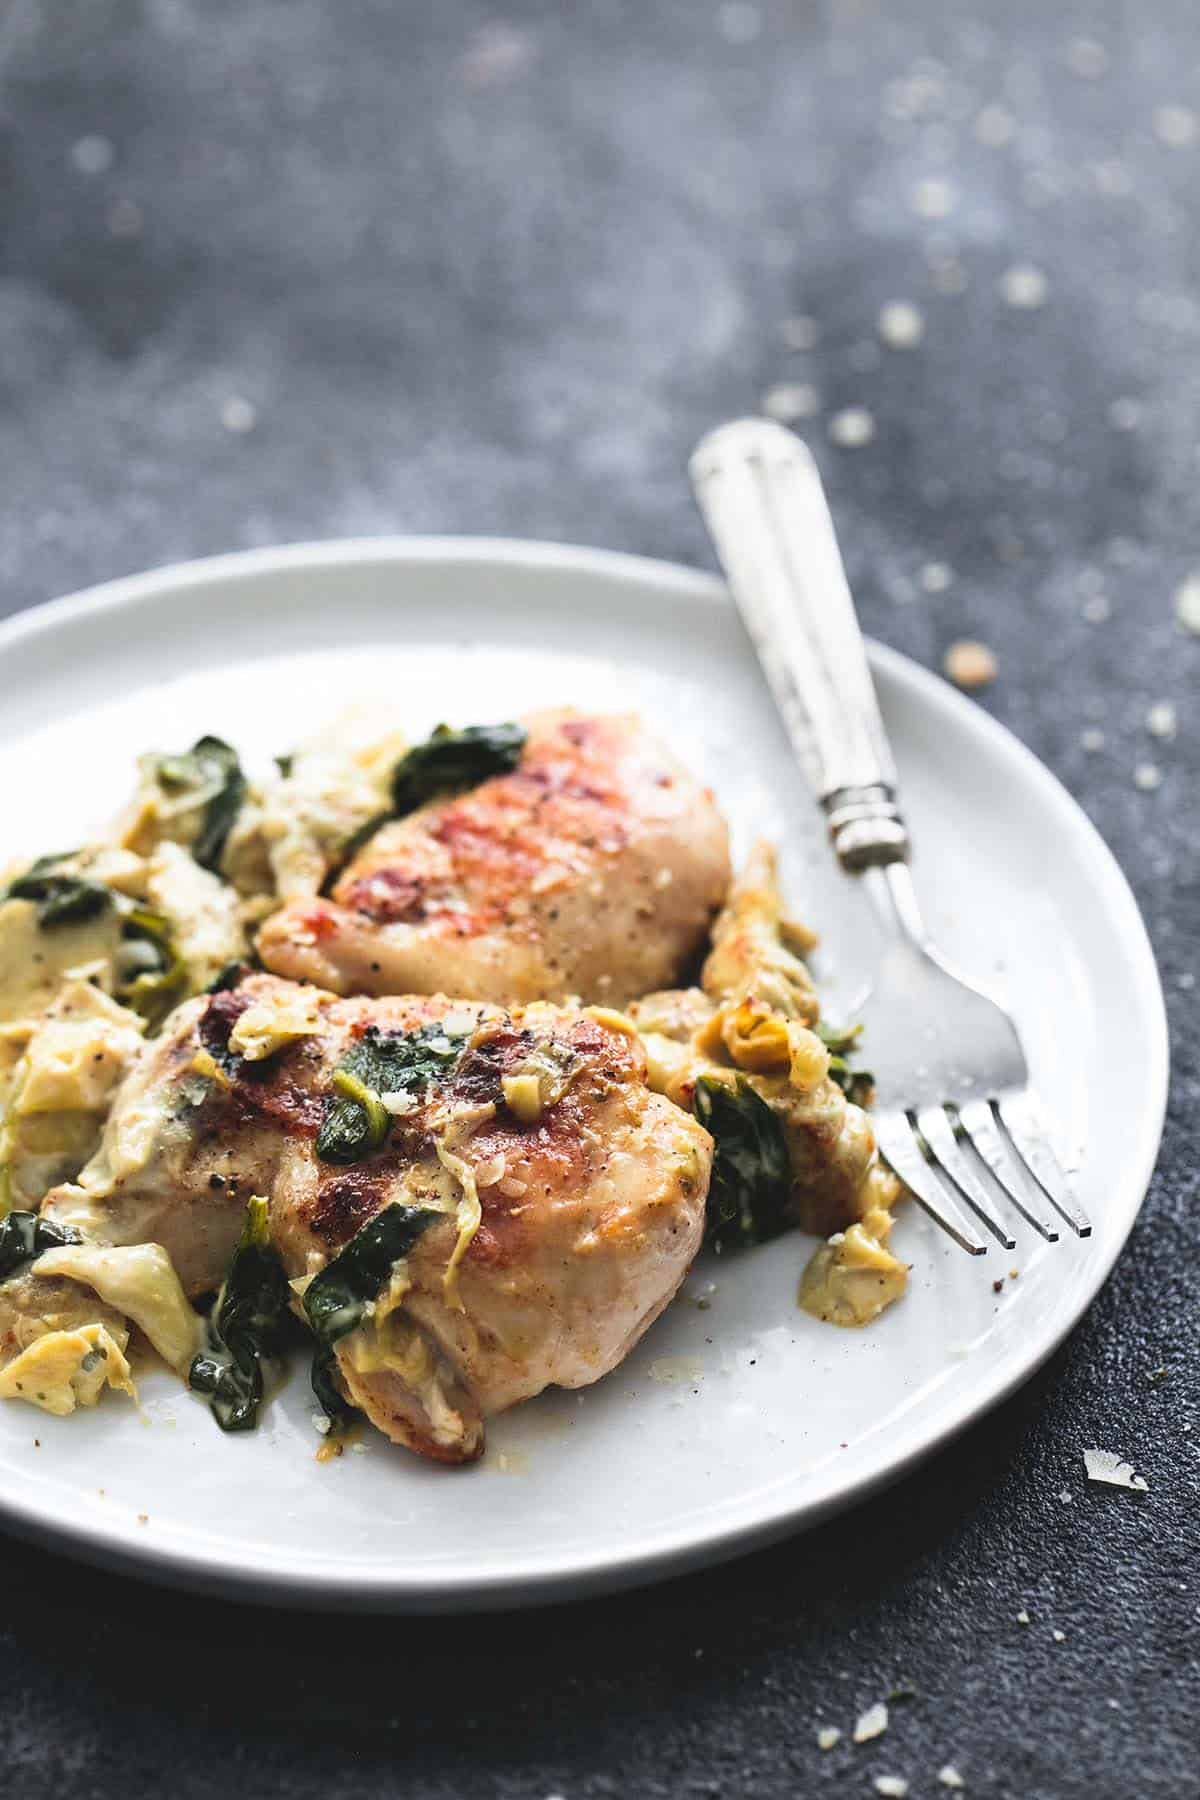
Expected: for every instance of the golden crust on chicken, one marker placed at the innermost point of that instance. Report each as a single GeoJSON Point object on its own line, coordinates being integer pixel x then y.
{"type": "Point", "coordinates": [568, 1199]}
{"type": "Point", "coordinates": [592, 869]}
{"type": "Point", "coordinates": [466, 1200]}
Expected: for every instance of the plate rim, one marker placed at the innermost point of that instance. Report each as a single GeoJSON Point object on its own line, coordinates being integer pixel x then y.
{"type": "Point", "coordinates": [113, 1544]}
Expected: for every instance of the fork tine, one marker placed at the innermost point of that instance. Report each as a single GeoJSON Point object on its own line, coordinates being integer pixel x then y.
{"type": "Point", "coordinates": [896, 1140]}
{"type": "Point", "coordinates": [993, 1148]}
{"type": "Point", "coordinates": [1019, 1118]}
{"type": "Point", "coordinates": [935, 1128]}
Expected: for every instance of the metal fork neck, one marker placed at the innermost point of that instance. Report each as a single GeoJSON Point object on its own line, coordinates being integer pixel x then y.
{"type": "Point", "coordinates": [866, 825]}
{"type": "Point", "coordinates": [895, 900]}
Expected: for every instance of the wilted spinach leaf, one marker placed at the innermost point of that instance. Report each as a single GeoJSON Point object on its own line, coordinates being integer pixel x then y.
{"type": "Point", "coordinates": [381, 1063]}
{"type": "Point", "coordinates": [858, 1085]}
{"type": "Point", "coordinates": [247, 1325]}
{"type": "Point", "coordinates": [447, 762]}
{"type": "Point", "coordinates": [25, 1234]}
{"type": "Point", "coordinates": [452, 760]}
{"type": "Point", "coordinates": [751, 1175]}
{"type": "Point", "coordinates": [336, 1300]}
{"type": "Point", "coordinates": [210, 766]}
{"type": "Point", "coordinates": [151, 974]}
{"type": "Point", "coordinates": [337, 1410]}
{"type": "Point", "coordinates": [229, 977]}
{"type": "Point", "coordinates": [61, 897]}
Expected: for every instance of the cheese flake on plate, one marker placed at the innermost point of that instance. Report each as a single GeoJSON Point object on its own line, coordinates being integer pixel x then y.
{"type": "Point", "coordinates": [1108, 1467]}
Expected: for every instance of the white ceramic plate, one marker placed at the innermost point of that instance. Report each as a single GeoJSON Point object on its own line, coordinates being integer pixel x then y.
{"type": "Point", "coordinates": [738, 1418]}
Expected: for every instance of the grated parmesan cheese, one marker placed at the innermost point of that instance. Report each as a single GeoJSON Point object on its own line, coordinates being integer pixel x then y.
{"type": "Point", "coordinates": [790, 400]}
{"type": "Point", "coordinates": [1187, 604]}
{"type": "Point", "coordinates": [399, 1103]}
{"type": "Point", "coordinates": [1024, 286]}
{"type": "Point", "coordinates": [871, 1724]}
{"type": "Point", "coordinates": [851, 428]}
{"type": "Point", "coordinates": [901, 325]}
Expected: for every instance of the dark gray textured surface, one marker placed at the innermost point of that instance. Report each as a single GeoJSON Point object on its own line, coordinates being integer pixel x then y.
{"type": "Point", "coordinates": [496, 271]}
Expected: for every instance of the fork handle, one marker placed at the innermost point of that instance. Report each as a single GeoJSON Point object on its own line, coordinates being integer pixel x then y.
{"type": "Point", "coordinates": [760, 493]}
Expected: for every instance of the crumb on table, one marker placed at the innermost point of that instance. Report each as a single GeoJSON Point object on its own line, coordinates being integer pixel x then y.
{"type": "Point", "coordinates": [969, 664]}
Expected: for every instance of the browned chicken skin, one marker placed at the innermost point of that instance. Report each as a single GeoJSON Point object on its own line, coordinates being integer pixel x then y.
{"type": "Point", "coordinates": [590, 1189]}
{"type": "Point", "coordinates": [592, 870]}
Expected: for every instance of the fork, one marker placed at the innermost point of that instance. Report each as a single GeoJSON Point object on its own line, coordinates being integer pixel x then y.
{"type": "Point", "coordinates": [955, 1116]}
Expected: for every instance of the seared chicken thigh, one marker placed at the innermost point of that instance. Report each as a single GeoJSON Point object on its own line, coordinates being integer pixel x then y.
{"type": "Point", "coordinates": [592, 870]}
{"type": "Point", "coordinates": [560, 1202]}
